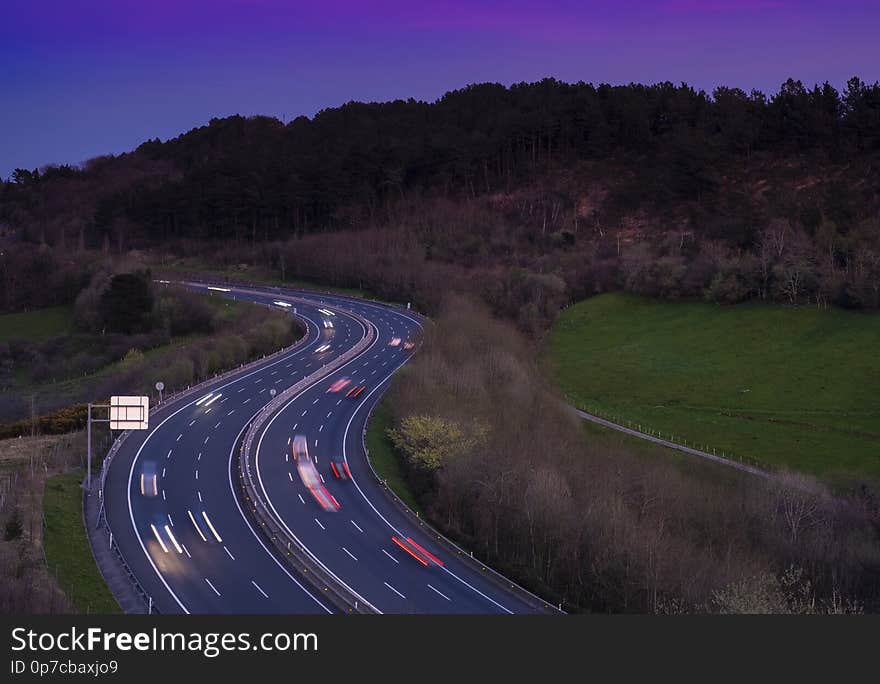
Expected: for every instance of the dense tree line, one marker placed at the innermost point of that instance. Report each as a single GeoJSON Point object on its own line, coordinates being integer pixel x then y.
{"type": "Point", "coordinates": [258, 179]}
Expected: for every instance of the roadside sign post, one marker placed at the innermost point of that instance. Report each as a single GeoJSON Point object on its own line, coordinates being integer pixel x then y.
{"type": "Point", "coordinates": [160, 386]}
{"type": "Point", "coordinates": [126, 413]}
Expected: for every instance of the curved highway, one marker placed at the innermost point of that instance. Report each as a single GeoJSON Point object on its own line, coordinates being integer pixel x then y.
{"type": "Point", "coordinates": [176, 515]}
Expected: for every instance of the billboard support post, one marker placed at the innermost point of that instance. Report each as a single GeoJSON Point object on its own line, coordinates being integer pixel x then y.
{"type": "Point", "coordinates": [126, 413]}
{"type": "Point", "coordinates": [89, 448]}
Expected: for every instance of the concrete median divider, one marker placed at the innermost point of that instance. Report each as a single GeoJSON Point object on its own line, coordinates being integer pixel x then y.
{"type": "Point", "coordinates": [287, 545]}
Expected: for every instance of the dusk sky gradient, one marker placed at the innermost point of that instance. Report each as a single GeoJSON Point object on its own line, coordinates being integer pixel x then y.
{"type": "Point", "coordinates": [80, 78]}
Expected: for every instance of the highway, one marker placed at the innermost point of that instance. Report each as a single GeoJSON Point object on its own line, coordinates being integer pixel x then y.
{"type": "Point", "coordinates": [194, 548]}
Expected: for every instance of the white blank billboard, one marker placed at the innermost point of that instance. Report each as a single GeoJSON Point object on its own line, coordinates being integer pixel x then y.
{"type": "Point", "coordinates": [129, 413]}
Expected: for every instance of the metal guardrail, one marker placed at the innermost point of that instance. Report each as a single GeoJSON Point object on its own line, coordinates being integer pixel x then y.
{"type": "Point", "coordinates": [288, 546]}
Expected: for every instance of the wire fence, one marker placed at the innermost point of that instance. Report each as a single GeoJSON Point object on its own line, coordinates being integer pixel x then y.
{"type": "Point", "coordinates": [675, 441]}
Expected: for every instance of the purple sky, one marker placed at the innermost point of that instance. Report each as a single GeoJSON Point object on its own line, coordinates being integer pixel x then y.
{"type": "Point", "coordinates": [79, 78]}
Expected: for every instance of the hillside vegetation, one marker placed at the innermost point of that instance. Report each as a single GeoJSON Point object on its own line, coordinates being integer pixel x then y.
{"type": "Point", "coordinates": [529, 197]}
{"type": "Point", "coordinates": [791, 387]}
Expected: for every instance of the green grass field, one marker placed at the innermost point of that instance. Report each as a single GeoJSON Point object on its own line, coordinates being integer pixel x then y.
{"type": "Point", "coordinates": [798, 388]}
{"type": "Point", "coordinates": [38, 325]}
{"type": "Point", "coordinates": [383, 458]}
{"type": "Point", "coordinates": [67, 549]}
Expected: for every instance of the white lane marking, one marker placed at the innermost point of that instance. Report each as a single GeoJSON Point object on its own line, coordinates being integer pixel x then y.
{"type": "Point", "coordinates": [258, 381]}
{"type": "Point", "coordinates": [199, 457]}
{"type": "Point", "coordinates": [229, 553]}
{"type": "Point", "coordinates": [281, 380]}
{"type": "Point", "coordinates": [322, 478]}
{"type": "Point", "coordinates": [207, 438]}
{"type": "Point", "coordinates": [260, 590]}
{"type": "Point", "coordinates": [196, 525]}
{"type": "Point", "coordinates": [304, 413]}
{"type": "Point", "coordinates": [321, 428]}
{"type": "Point", "coordinates": [349, 553]}
{"type": "Point", "coordinates": [178, 438]}
{"type": "Point", "coordinates": [212, 586]}
{"type": "Point", "coordinates": [316, 444]}
{"type": "Point", "coordinates": [242, 390]}
{"type": "Point", "coordinates": [163, 495]}
{"type": "Point", "coordinates": [394, 590]}
{"type": "Point", "coordinates": [186, 550]}
{"type": "Point", "coordinates": [294, 427]}
{"type": "Point", "coordinates": [274, 372]}
{"type": "Point", "coordinates": [315, 401]}
{"type": "Point", "coordinates": [163, 472]}
{"type": "Point", "coordinates": [230, 413]}
{"type": "Point", "coordinates": [261, 391]}
{"type": "Point", "coordinates": [356, 525]}
{"type": "Point", "coordinates": [301, 498]}
{"type": "Point", "coordinates": [197, 473]}
{"type": "Point", "coordinates": [200, 496]}
{"type": "Point", "coordinates": [217, 425]}
{"type": "Point", "coordinates": [245, 401]}
{"type": "Point", "coordinates": [339, 402]}
{"type": "Point", "coordinates": [169, 453]}
{"type": "Point", "coordinates": [288, 439]}
{"type": "Point", "coordinates": [319, 524]}
{"type": "Point", "coordinates": [330, 414]}
{"type": "Point", "coordinates": [390, 556]}
{"type": "Point", "coordinates": [290, 476]}
{"type": "Point", "coordinates": [170, 520]}
{"type": "Point", "coordinates": [192, 422]}
{"type": "Point", "coordinates": [439, 592]}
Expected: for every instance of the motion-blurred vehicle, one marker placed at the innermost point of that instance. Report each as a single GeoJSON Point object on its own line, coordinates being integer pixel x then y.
{"type": "Point", "coordinates": [312, 480]}
{"type": "Point", "coordinates": [339, 385]}
{"type": "Point", "coordinates": [408, 345]}
{"type": "Point", "coordinates": [420, 553]}
{"type": "Point", "coordinates": [149, 480]}
{"type": "Point", "coordinates": [395, 341]}
{"type": "Point", "coordinates": [300, 447]}
{"type": "Point", "coordinates": [355, 391]}
{"type": "Point", "coordinates": [340, 470]}
{"type": "Point", "coordinates": [161, 529]}
{"type": "Point", "coordinates": [328, 324]}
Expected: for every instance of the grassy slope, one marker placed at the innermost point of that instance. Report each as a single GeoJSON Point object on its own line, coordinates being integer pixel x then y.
{"type": "Point", "coordinates": [790, 387]}
{"type": "Point", "coordinates": [72, 390]}
{"type": "Point", "coordinates": [383, 458]}
{"type": "Point", "coordinates": [38, 325]}
{"type": "Point", "coordinates": [67, 549]}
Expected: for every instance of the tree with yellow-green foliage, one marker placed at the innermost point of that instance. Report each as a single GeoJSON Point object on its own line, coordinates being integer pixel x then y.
{"type": "Point", "coordinates": [428, 441]}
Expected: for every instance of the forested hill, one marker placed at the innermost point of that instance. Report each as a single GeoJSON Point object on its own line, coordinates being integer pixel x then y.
{"type": "Point", "coordinates": [564, 163]}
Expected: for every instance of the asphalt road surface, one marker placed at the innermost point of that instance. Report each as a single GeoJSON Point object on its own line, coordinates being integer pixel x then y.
{"type": "Point", "coordinates": [191, 545]}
